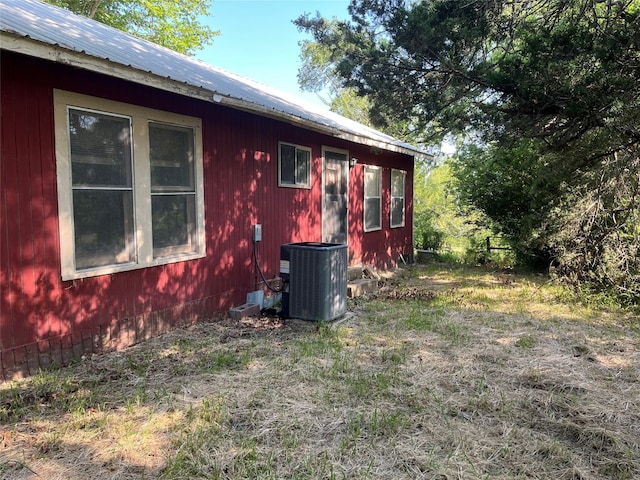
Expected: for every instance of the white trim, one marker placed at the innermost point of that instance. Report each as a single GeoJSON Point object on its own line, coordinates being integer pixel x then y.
{"type": "Point", "coordinates": [364, 198]}
{"type": "Point", "coordinates": [391, 197]}
{"type": "Point", "coordinates": [141, 182]}
{"type": "Point", "coordinates": [306, 185]}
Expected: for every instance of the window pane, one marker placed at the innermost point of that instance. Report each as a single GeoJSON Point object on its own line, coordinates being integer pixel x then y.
{"type": "Point", "coordinates": [287, 164]}
{"type": "Point", "coordinates": [397, 198]}
{"type": "Point", "coordinates": [372, 198]}
{"type": "Point", "coordinates": [372, 213]}
{"type": "Point", "coordinates": [337, 156]}
{"type": "Point", "coordinates": [171, 156]}
{"type": "Point", "coordinates": [173, 224]}
{"type": "Point", "coordinates": [397, 211]}
{"type": "Point", "coordinates": [103, 227]}
{"type": "Point", "coordinates": [100, 149]}
{"type": "Point", "coordinates": [302, 167]}
{"type": "Point", "coordinates": [371, 182]}
{"type": "Point", "coordinates": [397, 183]}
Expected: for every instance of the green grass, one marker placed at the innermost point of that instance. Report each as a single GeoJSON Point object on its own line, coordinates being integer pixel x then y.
{"type": "Point", "coordinates": [446, 373]}
{"type": "Point", "coordinates": [526, 341]}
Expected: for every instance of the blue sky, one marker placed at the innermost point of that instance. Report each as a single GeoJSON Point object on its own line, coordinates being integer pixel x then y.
{"type": "Point", "coordinates": [259, 41]}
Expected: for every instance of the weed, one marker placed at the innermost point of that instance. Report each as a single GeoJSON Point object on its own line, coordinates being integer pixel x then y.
{"type": "Point", "coordinates": [366, 385]}
{"type": "Point", "coordinates": [137, 400]}
{"type": "Point", "coordinates": [396, 356]}
{"type": "Point", "coordinates": [454, 332]}
{"type": "Point", "coordinates": [8, 469]}
{"type": "Point", "coordinates": [193, 457]}
{"type": "Point", "coordinates": [212, 411]}
{"type": "Point", "coordinates": [188, 345]}
{"type": "Point", "coordinates": [140, 362]}
{"type": "Point", "coordinates": [195, 453]}
{"type": "Point", "coordinates": [224, 360]}
{"type": "Point", "coordinates": [526, 341]}
{"type": "Point", "coordinates": [383, 423]}
{"type": "Point", "coordinates": [315, 466]}
{"type": "Point", "coordinates": [318, 345]}
{"type": "Point", "coordinates": [47, 389]}
{"type": "Point", "coordinates": [423, 319]}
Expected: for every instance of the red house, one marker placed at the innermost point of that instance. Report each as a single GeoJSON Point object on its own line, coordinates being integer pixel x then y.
{"type": "Point", "coordinates": [131, 177]}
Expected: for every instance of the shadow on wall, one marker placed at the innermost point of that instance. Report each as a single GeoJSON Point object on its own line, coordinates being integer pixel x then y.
{"type": "Point", "coordinates": [48, 321]}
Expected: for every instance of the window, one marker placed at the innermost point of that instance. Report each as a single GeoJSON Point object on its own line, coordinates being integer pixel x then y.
{"type": "Point", "coordinates": [294, 166]}
{"type": "Point", "coordinates": [173, 189]}
{"type": "Point", "coordinates": [397, 197]}
{"type": "Point", "coordinates": [130, 188]}
{"type": "Point", "coordinates": [101, 182]}
{"type": "Point", "coordinates": [372, 198]}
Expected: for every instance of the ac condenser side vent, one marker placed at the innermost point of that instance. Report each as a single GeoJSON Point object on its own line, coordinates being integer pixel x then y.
{"type": "Point", "coordinates": [317, 280]}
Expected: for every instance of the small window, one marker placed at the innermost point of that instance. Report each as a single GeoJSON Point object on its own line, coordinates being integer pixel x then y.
{"type": "Point", "coordinates": [372, 198]}
{"type": "Point", "coordinates": [294, 166]}
{"type": "Point", "coordinates": [397, 197]}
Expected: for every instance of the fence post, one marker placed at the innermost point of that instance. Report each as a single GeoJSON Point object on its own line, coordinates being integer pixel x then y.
{"type": "Point", "coordinates": [488, 244]}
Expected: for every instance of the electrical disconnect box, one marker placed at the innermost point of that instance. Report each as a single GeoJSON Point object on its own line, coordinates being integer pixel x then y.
{"type": "Point", "coordinates": [257, 233]}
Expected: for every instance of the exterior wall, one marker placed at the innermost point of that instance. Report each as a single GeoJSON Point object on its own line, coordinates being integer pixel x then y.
{"type": "Point", "coordinates": [46, 320]}
{"type": "Point", "coordinates": [381, 248]}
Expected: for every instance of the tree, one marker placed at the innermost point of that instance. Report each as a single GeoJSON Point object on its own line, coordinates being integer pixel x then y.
{"type": "Point", "coordinates": [548, 91]}
{"type": "Point", "coordinates": [552, 69]}
{"type": "Point", "coordinates": [317, 74]}
{"type": "Point", "coordinates": [173, 24]}
{"type": "Point", "coordinates": [440, 216]}
{"type": "Point", "coordinates": [513, 187]}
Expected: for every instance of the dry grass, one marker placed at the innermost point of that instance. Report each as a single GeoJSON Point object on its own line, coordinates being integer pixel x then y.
{"type": "Point", "coordinates": [443, 375]}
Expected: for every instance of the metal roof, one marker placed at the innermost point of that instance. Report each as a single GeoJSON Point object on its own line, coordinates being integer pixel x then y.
{"type": "Point", "coordinates": [46, 31]}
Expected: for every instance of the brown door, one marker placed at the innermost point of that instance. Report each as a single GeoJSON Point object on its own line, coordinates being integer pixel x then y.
{"type": "Point", "coordinates": [336, 197]}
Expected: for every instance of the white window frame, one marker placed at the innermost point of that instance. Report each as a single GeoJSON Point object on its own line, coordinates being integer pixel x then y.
{"type": "Point", "coordinates": [297, 184]}
{"type": "Point", "coordinates": [378, 170]}
{"type": "Point", "coordinates": [392, 197]}
{"type": "Point", "coordinates": [140, 117]}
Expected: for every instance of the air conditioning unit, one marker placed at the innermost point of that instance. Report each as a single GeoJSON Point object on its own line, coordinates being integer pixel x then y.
{"type": "Point", "coordinates": [317, 280]}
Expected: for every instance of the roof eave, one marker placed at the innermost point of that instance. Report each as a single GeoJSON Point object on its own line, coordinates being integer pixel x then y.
{"type": "Point", "coordinates": [82, 60]}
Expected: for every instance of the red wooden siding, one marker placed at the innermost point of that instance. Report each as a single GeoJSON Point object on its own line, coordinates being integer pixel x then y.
{"type": "Point", "coordinates": [44, 319]}
{"type": "Point", "coordinates": [381, 248]}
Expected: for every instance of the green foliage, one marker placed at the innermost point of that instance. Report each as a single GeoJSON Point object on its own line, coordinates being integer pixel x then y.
{"type": "Point", "coordinates": [432, 239]}
{"type": "Point", "coordinates": [559, 69]}
{"type": "Point", "coordinates": [441, 222]}
{"type": "Point", "coordinates": [316, 69]}
{"type": "Point", "coordinates": [347, 103]}
{"type": "Point", "coordinates": [514, 187]}
{"type": "Point", "coordinates": [583, 223]}
{"type": "Point", "coordinates": [170, 23]}
{"type": "Point", "coordinates": [598, 248]}
{"type": "Point", "coordinates": [318, 73]}
{"type": "Point", "coordinates": [547, 96]}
